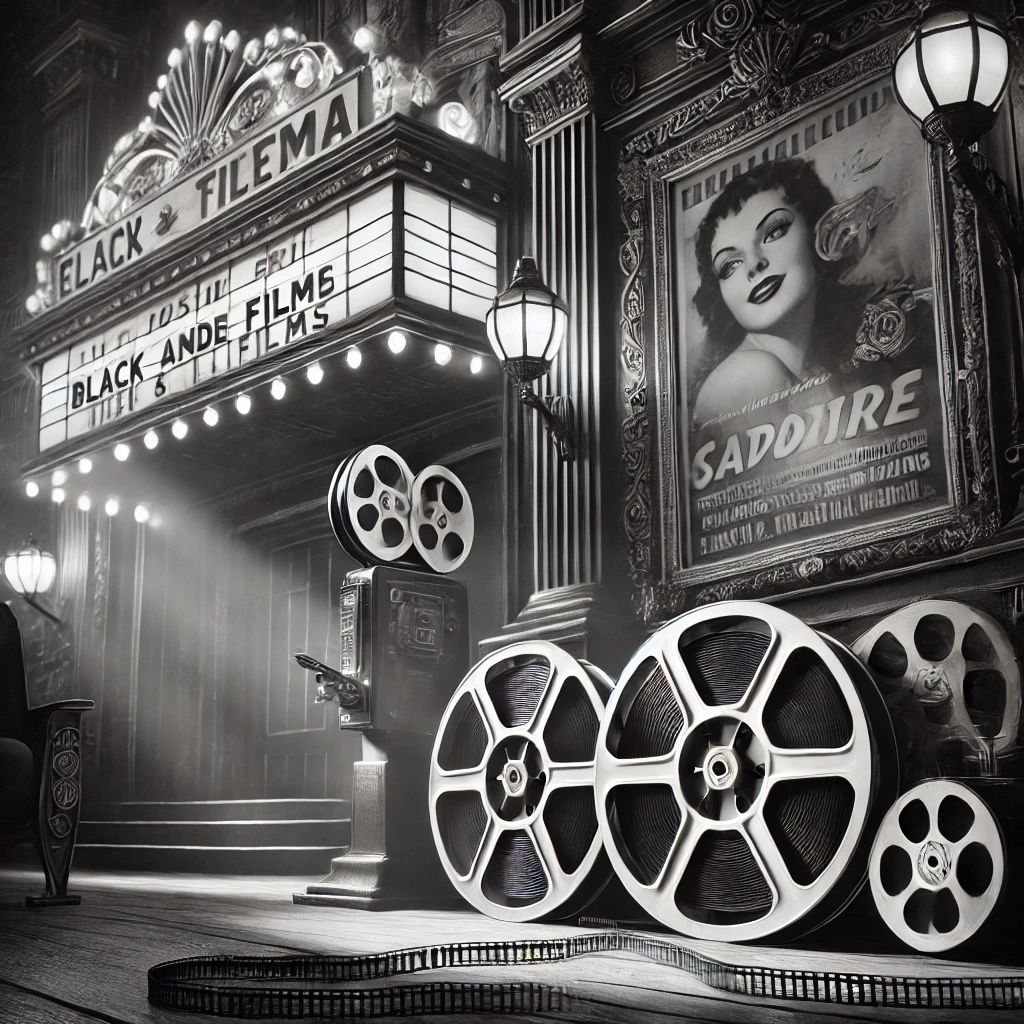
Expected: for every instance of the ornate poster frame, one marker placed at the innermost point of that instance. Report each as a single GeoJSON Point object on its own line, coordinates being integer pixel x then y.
{"type": "Point", "coordinates": [710, 127]}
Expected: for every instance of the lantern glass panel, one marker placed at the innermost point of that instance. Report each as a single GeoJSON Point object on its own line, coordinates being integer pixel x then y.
{"type": "Point", "coordinates": [47, 573]}
{"type": "Point", "coordinates": [993, 67]}
{"type": "Point", "coordinates": [11, 572]}
{"type": "Point", "coordinates": [909, 86]}
{"type": "Point", "coordinates": [948, 58]}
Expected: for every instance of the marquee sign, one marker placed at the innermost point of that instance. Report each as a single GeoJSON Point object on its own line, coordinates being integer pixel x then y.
{"type": "Point", "coordinates": [274, 296]}
{"type": "Point", "coordinates": [243, 172]}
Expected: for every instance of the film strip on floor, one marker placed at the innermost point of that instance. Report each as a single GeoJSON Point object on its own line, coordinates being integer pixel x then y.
{"type": "Point", "coordinates": [327, 987]}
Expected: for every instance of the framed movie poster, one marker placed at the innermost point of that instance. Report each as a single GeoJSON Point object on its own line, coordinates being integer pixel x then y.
{"type": "Point", "coordinates": [809, 421]}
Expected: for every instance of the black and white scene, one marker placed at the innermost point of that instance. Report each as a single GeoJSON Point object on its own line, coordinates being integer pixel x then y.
{"type": "Point", "coordinates": [512, 509]}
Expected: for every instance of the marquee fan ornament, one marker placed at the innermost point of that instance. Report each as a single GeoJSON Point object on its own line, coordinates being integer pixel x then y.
{"type": "Point", "coordinates": [217, 89]}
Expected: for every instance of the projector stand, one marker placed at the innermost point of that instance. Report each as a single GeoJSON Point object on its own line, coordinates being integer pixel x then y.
{"type": "Point", "coordinates": [392, 863]}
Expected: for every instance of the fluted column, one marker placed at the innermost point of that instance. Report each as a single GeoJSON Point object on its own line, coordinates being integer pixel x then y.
{"type": "Point", "coordinates": [561, 511]}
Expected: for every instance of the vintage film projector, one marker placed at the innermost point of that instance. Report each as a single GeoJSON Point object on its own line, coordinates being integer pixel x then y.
{"type": "Point", "coordinates": [404, 647]}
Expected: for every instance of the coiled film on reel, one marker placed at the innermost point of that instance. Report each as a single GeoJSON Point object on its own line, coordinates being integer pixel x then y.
{"type": "Point", "coordinates": [951, 679]}
{"type": "Point", "coordinates": [512, 784]}
{"type": "Point", "coordinates": [743, 763]}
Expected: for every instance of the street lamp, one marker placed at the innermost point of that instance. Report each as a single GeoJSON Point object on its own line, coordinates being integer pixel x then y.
{"type": "Point", "coordinates": [526, 324]}
{"type": "Point", "coordinates": [951, 76]}
{"type": "Point", "coordinates": [31, 571]}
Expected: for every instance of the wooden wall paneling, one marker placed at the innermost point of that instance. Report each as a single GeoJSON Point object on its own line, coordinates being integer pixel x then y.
{"type": "Point", "coordinates": [155, 750]}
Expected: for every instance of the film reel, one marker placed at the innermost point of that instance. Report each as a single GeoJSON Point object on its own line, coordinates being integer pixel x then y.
{"type": "Point", "coordinates": [950, 672]}
{"type": "Point", "coordinates": [742, 765]}
{"type": "Point", "coordinates": [937, 865]}
{"type": "Point", "coordinates": [369, 504]}
{"type": "Point", "coordinates": [512, 784]}
{"type": "Point", "coordinates": [442, 519]}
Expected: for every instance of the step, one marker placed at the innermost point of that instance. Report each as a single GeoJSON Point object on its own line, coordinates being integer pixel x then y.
{"type": "Point", "coordinates": [219, 810]}
{"type": "Point", "coordinates": [286, 836]}
{"type": "Point", "coordinates": [297, 832]}
{"type": "Point", "coordinates": [214, 860]}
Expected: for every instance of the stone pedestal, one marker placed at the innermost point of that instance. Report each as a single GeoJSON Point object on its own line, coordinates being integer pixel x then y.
{"type": "Point", "coordinates": [392, 863]}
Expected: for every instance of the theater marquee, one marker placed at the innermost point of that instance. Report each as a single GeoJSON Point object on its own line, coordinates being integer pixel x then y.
{"type": "Point", "coordinates": [249, 169]}
{"type": "Point", "coordinates": [276, 295]}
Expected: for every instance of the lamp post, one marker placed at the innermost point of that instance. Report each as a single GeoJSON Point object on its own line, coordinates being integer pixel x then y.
{"type": "Point", "coordinates": [526, 324]}
{"type": "Point", "coordinates": [950, 76]}
{"type": "Point", "coordinates": [31, 571]}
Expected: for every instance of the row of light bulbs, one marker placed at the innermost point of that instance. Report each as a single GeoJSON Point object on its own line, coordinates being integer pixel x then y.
{"type": "Point", "coordinates": [112, 505]}
{"type": "Point", "coordinates": [396, 342]}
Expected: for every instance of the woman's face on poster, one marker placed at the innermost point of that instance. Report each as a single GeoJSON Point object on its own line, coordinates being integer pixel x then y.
{"type": "Point", "coordinates": [763, 257]}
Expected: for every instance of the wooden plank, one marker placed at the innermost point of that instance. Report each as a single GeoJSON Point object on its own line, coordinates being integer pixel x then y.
{"type": "Point", "coordinates": [18, 1005]}
{"type": "Point", "coordinates": [96, 955]}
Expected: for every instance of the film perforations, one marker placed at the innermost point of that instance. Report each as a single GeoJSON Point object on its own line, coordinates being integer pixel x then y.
{"type": "Point", "coordinates": [513, 817]}
{"type": "Point", "coordinates": [739, 775]}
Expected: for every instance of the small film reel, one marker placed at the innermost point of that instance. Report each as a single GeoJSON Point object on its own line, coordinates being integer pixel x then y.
{"type": "Point", "coordinates": [950, 672]}
{"type": "Point", "coordinates": [512, 784]}
{"type": "Point", "coordinates": [369, 504]}
{"type": "Point", "coordinates": [442, 519]}
{"type": "Point", "coordinates": [937, 865]}
{"type": "Point", "coordinates": [743, 763]}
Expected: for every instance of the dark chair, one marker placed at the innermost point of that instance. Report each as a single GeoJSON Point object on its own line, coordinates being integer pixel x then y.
{"type": "Point", "coordinates": [41, 768]}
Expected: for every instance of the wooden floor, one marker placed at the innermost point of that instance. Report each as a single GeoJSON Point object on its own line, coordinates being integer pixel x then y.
{"type": "Point", "coordinates": [88, 963]}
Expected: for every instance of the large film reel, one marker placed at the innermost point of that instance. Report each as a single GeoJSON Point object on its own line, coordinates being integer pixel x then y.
{"type": "Point", "coordinates": [937, 865]}
{"type": "Point", "coordinates": [512, 784]}
{"type": "Point", "coordinates": [742, 765]}
{"type": "Point", "coordinates": [442, 519]}
{"type": "Point", "coordinates": [950, 672]}
{"type": "Point", "coordinates": [369, 504]}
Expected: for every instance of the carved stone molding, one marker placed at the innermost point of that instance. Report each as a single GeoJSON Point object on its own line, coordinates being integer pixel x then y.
{"type": "Point", "coordinates": [720, 27]}
{"type": "Point", "coordinates": [83, 50]}
{"type": "Point", "coordinates": [556, 99]}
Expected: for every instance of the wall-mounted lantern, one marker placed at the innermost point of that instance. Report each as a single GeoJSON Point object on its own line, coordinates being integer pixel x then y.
{"type": "Point", "coordinates": [526, 324]}
{"type": "Point", "coordinates": [31, 571]}
{"type": "Point", "coordinates": [951, 76]}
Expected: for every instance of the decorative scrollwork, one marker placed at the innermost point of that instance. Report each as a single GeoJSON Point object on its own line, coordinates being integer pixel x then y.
{"type": "Point", "coordinates": [567, 92]}
{"type": "Point", "coordinates": [60, 825]}
{"type": "Point", "coordinates": [624, 83]}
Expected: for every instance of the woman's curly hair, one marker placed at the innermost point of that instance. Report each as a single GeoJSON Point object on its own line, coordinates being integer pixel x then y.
{"type": "Point", "coordinates": [802, 189]}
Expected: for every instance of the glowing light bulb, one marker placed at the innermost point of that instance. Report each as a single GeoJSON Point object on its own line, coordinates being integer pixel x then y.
{"type": "Point", "coordinates": [48, 243]}
{"type": "Point", "coordinates": [151, 439]}
{"type": "Point", "coordinates": [32, 304]}
{"type": "Point", "coordinates": [59, 478]}
{"type": "Point", "coordinates": [112, 507]}
{"type": "Point", "coordinates": [278, 388]}
{"type": "Point", "coordinates": [179, 428]}
{"type": "Point", "coordinates": [121, 451]}
{"type": "Point", "coordinates": [210, 416]}
{"type": "Point", "coordinates": [84, 502]}
{"type": "Point", "coordinates": [476, 364]}
{"type": "Point", "coordinates": [243, 403]}
{"type": "Point", "coordinates": [353, 357]}
{"type": "Point", "coordinates": [85, 465]}
{"type": "Point", "coordinates": [314, 373]}
{"type": "Point", "coordinates": [58, 494]}
{"type": "Point", "coordinates": [363, 40]}
{"type": "Point", "coordinates": [32, 489]}
{"type": "Point", "coordinates": [59, 231]}
{"type": "Point", "coordinates": [397, 342]}
{"type": "Point", "coordinates": [141, 513]}
{"type": "Point", "coordinates": [442, 354]}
